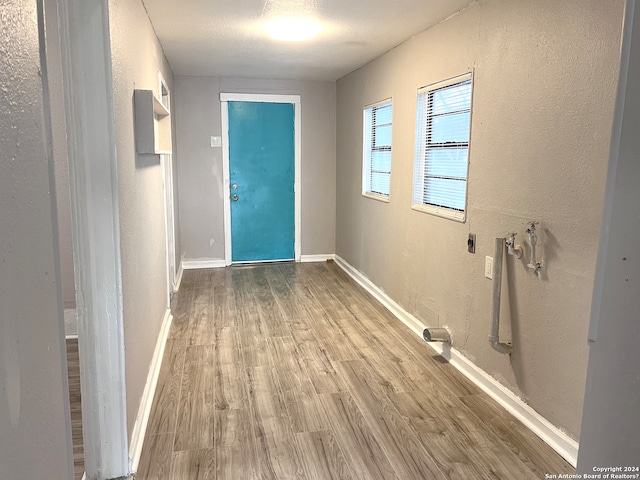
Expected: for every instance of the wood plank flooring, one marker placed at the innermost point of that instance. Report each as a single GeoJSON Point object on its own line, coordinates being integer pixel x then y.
{"type": "Point", "coordinates": [73, 373]}
{"type": "Point", "coordinates": [292, 371]}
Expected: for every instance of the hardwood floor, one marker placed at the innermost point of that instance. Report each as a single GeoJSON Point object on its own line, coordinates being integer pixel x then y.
{"type": "Point", "coordinates": [292, 371]}
{"type": "Point", "coordinates": [73, 373]}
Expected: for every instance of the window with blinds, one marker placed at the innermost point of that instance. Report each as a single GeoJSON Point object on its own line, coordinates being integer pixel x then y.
{"type": "Point", "coordinates": [377, 150]}
{"type": "Point", "coordinates": [442, 147]}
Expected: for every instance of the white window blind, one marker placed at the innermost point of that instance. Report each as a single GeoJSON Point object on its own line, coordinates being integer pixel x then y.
{"type": "Point", "coordinates": [377, 149]}
{"type": "Point", "coordinates": [442, 147]}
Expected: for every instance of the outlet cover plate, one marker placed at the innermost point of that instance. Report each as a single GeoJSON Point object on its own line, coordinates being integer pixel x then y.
{"type": "Point", "coordinates": [488, 267]}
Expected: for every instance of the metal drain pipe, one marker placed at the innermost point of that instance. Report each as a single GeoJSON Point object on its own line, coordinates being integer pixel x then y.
{"type": "Point", "coordinates": [496, 291]}
{"type": "Point", "coordinates": [436, 335]}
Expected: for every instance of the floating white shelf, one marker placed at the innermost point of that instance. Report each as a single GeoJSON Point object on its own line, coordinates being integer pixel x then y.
{"type": "Point", "coordinates": [153, 124]}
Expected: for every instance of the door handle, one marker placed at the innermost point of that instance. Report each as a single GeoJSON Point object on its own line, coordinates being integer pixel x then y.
{"type": "Point", "coordinates": [234, 186]}
{"type": "Point", "coordinates": [234, 197]}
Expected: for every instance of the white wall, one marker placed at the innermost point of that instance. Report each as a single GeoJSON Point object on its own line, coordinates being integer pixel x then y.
{"type": "Point", "coordinates": [200, 166]}
{"type": "Point", "coordinates": [544, 86]}
{"type": "Point", "coordinates": [137, 57]}
{"type": "Point", "coordinates": [34, 408]}
{"type": "Point", "coordinates": [611, 424]}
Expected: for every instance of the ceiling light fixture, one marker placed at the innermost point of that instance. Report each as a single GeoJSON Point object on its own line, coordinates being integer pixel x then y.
{"type": "Point", "coordinates": [293, 29]}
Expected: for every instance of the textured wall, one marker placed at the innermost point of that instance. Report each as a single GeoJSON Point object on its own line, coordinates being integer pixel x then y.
{"type": "Point", "coordinates": [34, 408]}
{"type": "Point", "coordinates": [542, 114]}
{"type": "Point", "coordinates": [200, 166]}
{"type": "Point", "coordinates": [137, 57]}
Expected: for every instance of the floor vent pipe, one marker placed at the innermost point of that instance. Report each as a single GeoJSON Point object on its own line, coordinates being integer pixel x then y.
{"type": "Point", "coordinates": [436, 335]}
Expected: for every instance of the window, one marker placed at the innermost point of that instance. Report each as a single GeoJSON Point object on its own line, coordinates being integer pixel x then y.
{"type": "Point", "coordinates": [442, 147]}
{"type": "Point", "coordinates": [377, 150]}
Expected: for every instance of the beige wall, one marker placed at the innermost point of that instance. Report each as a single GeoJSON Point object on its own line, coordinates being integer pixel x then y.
{"type": "Point", "coordinates": [34, 405]}
{"type": "Point", "coordinates": [137, 57]}
{"type": "Point", "coordinates": [544, 87]}
{"type": "Point", "coordinates": [200, 167]}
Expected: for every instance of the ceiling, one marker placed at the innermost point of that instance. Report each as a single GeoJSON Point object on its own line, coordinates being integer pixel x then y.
{"type": "Point", "coordinates": [226, 37]}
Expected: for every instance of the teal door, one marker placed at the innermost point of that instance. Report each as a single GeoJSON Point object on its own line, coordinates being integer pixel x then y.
{"type": "Point", "coordinates": [261, 179]}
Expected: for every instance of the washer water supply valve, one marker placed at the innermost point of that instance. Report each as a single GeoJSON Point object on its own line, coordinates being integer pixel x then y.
{"type": "Point", "coordinates": [535, 265]}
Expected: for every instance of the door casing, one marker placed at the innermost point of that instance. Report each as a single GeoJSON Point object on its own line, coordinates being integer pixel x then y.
{"type": "Point", "coordinates": [263, 98]}
{"type": "Point", "coordinates": [91, 137]}
{"type": "Point", "coordinates": [169, 203]}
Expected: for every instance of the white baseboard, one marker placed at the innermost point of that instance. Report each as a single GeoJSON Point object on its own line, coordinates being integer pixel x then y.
{"type": "Point", "coordinates": [140, 427]}
{"type": "Point", "coordinates": [219, 263]}
{"type": "Point", "coordinates": [405, 317]}
{"type": "Point", "coordinates": [71, 322]}
{"type": "Point", "coordinates": [178, 280]}
{"type": "Point", "coordinates": [564, 445]}
{"type": "Point", "coordinates": [203, 263]}
{"type": "Point", "coordinates": [316, 258]}
{"type": "Point", "coordinates": [129, 477]}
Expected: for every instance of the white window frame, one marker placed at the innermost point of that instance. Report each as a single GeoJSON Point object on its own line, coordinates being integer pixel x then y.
{"type": "Point", "coordinates": [420, 153]}
{"type": "Point", "coordinates": [367, 147]}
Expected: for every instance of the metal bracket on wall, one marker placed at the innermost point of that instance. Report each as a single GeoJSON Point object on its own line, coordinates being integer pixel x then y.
{"type": "Point", "coordinates": [471, 243]}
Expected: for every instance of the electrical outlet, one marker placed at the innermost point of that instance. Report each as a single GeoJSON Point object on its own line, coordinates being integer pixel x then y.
{"type": "Point", "coordinates": [216, 142]}
{"type": "Point", "coordinates": [488, 267]}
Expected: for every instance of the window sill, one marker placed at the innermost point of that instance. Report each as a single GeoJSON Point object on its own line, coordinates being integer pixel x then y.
{"type": "Point", "coordinates": [440, 212]}
{"type": "Point", "coordinates": [376, 196]}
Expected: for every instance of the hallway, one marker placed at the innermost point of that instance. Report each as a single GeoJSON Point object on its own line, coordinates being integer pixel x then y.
{"type": "Point", "coordinates": [293, 371]}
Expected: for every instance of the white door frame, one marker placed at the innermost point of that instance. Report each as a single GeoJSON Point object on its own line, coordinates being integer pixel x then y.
{"type": "Point", "coordinates": [164, 94]}
{"type": "Point", "coordinates": [91, 138]}
{"type": "Point", "coordinates": [169, 224]}
{"type": "Point", "coordinates": [263, 98]}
